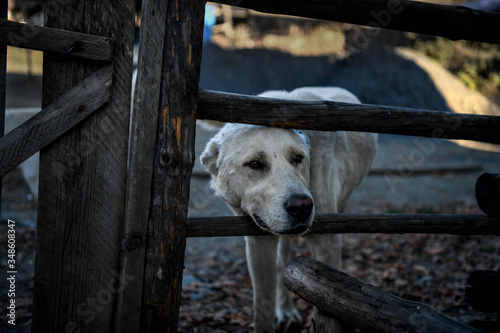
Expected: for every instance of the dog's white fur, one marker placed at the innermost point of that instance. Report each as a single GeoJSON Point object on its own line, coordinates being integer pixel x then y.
{"type": "Point", "coordinates": [332, 166]}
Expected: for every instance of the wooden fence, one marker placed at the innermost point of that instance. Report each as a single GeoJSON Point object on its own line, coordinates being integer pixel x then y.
{"type": "Point", "coordinates": [362, 305]}
{"type": "Point", "coordinates": [112, 211]}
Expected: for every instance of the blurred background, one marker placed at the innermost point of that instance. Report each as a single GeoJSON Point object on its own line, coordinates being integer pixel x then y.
{"type": "Point", "coordinates": [249, 52]}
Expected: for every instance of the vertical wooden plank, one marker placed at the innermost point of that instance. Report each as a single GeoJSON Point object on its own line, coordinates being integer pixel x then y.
{"type": "Point", "coordinates": [174, 159]}
{"type": "Point", "coordinates": [142, 149]}
{"type": "Point", "coordinates": [82, 180]}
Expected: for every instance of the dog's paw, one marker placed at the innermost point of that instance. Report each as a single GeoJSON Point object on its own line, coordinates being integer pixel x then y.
{"type": "Point", "coordinates": [285, 313]}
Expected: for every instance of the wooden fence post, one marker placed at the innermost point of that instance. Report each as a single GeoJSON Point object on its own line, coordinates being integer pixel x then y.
{"type": "Point", "coordinates": [82, 179]}
{"type": "Point", "coordinates": [173, 162]}
{"type": "Point", "coordinates": [144, 124]}
{"type": "Point", "coordinates": [324, 321]}
{"type": "Point", "coordinates": [488, 193]}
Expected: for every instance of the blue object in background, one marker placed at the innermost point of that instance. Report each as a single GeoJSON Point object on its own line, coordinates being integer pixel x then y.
{"type": "Point", "coordinates": [209, 21]}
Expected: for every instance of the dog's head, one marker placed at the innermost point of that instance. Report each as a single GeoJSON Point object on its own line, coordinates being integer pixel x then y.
{"type": "Point", "coordinates": [263, 172]}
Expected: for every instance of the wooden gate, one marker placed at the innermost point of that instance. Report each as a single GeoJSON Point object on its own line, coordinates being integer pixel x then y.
{"type": "Point", "coordinates": [112, 214]}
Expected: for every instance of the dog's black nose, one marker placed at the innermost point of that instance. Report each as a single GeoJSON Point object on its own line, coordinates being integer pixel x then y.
{"type": "Point", "coordinates": [299, 206]}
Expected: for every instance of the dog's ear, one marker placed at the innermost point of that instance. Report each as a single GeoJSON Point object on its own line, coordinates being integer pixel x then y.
{"type": "Point", "coordinates": [210, 156]}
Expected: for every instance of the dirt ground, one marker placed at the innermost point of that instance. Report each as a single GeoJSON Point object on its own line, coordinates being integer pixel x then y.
{"type": "Point", "coordinates": [217, 290]}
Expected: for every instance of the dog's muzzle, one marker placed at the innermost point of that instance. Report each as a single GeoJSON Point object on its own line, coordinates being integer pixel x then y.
{"type": "Point", "coordinates": [299, 206]}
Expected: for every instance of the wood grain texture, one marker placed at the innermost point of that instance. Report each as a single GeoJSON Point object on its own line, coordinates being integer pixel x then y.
{"type": "Point", "coordinates": [82, 181]}
{"type": "Point", "coordinates": [62, 42]}
{"type": "Point", "coordinates": [324, 322]}
{"type": "Point", "coordinates": [336, 116]}
{"type": "Point", "coordinates": [146, 108]}
{"type": "Point", "coordinates": [453, 22]}
{"type": "Point", "coordinates": [356, 223]}
{"type": "Point", "coordinates": [361, 305]}
{"type": "Point", "coordinates": [174, 159]}
{"type": "Point", "coordinates": [55, 119]}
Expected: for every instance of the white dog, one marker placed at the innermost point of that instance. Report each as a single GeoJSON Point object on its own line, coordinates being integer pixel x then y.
{"type": "Point", "coordinates": [281, 178]}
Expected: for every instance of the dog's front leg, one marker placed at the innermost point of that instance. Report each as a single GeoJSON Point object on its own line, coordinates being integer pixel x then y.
{"type": "Point", "coordinates": [327, 248]}
{"type": "Point", "coordinates": [261, 260]}
{"type": "Point", "coordinates": [285, 309]}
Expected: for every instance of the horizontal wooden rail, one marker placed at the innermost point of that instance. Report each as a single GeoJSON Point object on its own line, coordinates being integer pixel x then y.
{"type": "Point", "coordinates": [453, 22]}
{"type": "Point", "coordinates": [336, 116]}
{"type": "Point", "coordinates": [438, 168]}
{"type": "Point", "coordinates": [54, 120]}
{"type": "Point", "coordinates": [361, 305]}
{"type": "Point", "coordinates": [56, 40]}
{"type": "Point", "coordinates": [431, 169]}
{"type": "Point", "coordinates": [356, 223]}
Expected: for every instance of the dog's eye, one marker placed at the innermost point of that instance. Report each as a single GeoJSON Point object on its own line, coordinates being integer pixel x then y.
{"type": "Point", "coordinates": [297, 159]}
{"type": "Point", "coordinates": [255, 165]}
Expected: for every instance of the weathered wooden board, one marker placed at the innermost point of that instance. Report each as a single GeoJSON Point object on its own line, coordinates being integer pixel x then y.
{"type": "Point", "coordinates": [62, 42]}
{"type": "Point", "coordinates": [356, 223]}
{"type": "Point", "coordinates": [173, 162]}
{"type": "Point", "coordinates": [55, 119]}
{"type": "Point", "coordinates": [336, 116]}
{"type": "Point", "coordinates": [82, 181]}
{"type": "Point", "coordinates": [453, 22]}
{"type": "Point", "coordinates": [361, 305]}
{"type": "Point", "coordinates": [146, 107]}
